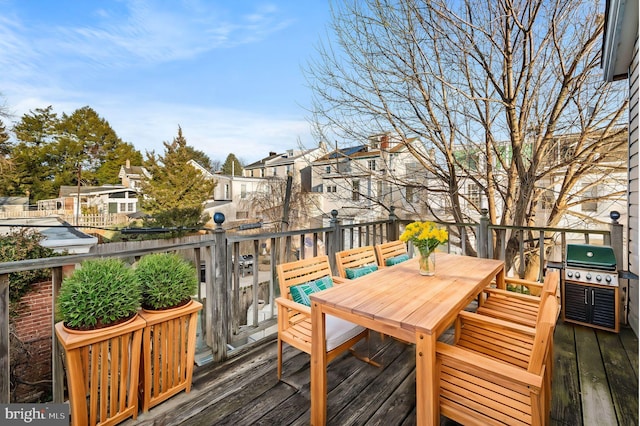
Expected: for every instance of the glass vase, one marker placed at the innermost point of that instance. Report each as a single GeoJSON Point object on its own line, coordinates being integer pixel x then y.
{"type": "Point", "coordinates": [427, 263]}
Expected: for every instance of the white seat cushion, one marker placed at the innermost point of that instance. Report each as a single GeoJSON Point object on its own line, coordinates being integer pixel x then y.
{"type": "Point", "coordinates": [339, 331]}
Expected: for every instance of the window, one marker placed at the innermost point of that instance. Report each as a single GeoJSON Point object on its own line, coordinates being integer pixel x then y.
{"type": "Point", "coordinates": [130, 207]}
{"type": "Point", "coordinates": [547, 200]}
{"type": "Point", "coordinates": [227, 191]}
{"type": "Point", "coordinates": [243, 190]}
{"type": "Point", "coordinates": [590, 199]}
{"type": "Point", "coordinates": [327, 169]}
{"type": "Point", "coordinates": [123, 207]}
{"type": "Point", "coordinates": [412, 168]}
{"type": "Point", "coordinates": [288, 168]}
{"type": "Point", "coordinates": [473, 194]}
{"type": "Point", "coordinates": [261, 172]}
{"type": "Point", "coordinates": [412, 194]}
{"type": "Point", "coordinates": [275, 171]}
{"type": "Point", "coordinates": [331, 188]}
{"type": "Point", "coordinates": [355, 194]}
{"type": "Point", "coordinates": [372, 164]}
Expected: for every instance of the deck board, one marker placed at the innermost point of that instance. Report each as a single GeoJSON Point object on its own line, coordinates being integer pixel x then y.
{"type": "Point", "coordinates": [597, 404]}
{"type": "Point", "coordinates": [590, 366]}
{"type": "Point", "coordinates": [566, 408]}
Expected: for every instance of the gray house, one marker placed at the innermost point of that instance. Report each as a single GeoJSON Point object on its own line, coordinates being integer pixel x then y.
{"type": "Point", "coordinates": [620, 62]}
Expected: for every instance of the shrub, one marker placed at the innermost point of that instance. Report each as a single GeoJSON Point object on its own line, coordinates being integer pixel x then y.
{"type": "Point", "coordinates": [21, 244]}
{"type": "Point", "coordinates": [166, 279]}
{"type": "Point", "coordinates": [101, 292]}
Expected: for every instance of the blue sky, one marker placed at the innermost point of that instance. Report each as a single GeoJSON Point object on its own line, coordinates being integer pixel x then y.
{"type": "Point", "coordinates": [228, 72]}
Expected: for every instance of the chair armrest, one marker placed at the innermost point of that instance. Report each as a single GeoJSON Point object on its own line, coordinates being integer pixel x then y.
{"type": "Point", "coordinates": [512, 294]}
{"type": "Point", "coordinates": [339, 280]}
{"type": "Point", "coordinates": [483, 320]}
{"type": "Point", "coordinates": [493, 370]}
{"type": "Point", "coordinates": [524, 283]}
{"type": "Point", "coordinates": [295, 306]}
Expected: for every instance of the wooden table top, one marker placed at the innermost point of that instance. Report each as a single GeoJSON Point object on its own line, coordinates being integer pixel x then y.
{"type": "Point", "coordinates": [399, 297]}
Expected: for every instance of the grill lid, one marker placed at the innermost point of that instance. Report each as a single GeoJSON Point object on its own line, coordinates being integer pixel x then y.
{"type": "Point", "coordinates": [590, 256]}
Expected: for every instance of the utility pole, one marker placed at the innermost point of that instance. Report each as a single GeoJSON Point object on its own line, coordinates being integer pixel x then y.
{"type": "Point", "coordinates": [78, 195]}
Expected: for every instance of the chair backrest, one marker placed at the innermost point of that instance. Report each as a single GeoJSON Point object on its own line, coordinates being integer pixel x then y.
{"type": "Point", "coordinates": [388, 250]}
{"type": "Point", "coordinates": [302, 271]}
{"type": "Point", "coordinates": [543, 341]}
{"type": "Point", "coordinates": [355, 258]}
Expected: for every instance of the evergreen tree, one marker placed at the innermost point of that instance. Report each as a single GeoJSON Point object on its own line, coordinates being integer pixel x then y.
{"type": "Point", "coordinates": [200, 158]}
{"type": "Point", "coordinates": [53, 151]}
{"type": "Point", "coordinates": [232, 166]}
{"type": "Point", "coordinates": [175, 193]}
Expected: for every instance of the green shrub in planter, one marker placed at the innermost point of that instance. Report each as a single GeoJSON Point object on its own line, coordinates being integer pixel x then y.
{"type": "Point", "coordinates": [167, 280]}
{"type": "Point", "coordinates": [100, 293]}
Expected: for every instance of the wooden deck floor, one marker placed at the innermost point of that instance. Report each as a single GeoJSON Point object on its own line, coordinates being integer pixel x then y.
{"type": "Point", "coordinates": [595, 383]}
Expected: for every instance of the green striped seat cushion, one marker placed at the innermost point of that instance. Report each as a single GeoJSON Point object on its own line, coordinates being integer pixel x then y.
{"type": "Point", "coordinates": [300, 293]}
{"type": "Point", "coordinates": [397, 259]}
{"type": "Point", "coordinates": [352, 273]}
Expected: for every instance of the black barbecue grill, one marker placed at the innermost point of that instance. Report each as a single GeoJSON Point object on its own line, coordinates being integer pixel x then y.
{"type": "Point", "coordinates": [591, 264]}
{"type": "Point", "coordinates": [590, 286]}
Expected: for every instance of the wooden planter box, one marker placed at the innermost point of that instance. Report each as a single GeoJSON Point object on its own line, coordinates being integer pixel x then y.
{"type": "Point", "coordinates": [101, 369]}
{"type": "Point", "coordinates": [168, 351]}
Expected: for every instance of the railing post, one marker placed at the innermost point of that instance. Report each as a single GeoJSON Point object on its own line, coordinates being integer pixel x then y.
{"type": "Point", "coordinates": [5, 396]}
{"type": "Point", "coordinates": [617, 239]}
{"type": "Point", "coordinates": [335, 241]}
{"type": "Point", "coordinates": [57, 367]}
{"type": "Point", "coordinates": [393, 228]}
{"type": "Point", "coordinates": [218, 303]}
{"type": "Point", "coordinates": [483, 234]}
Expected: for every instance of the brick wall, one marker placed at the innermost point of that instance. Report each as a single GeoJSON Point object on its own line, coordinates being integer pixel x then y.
{"type": "Point", "coordinates": [31, 346]}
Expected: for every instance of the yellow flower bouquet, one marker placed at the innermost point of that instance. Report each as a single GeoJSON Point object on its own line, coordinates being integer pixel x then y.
{"type": "Point", "coordinates": [425, 236]}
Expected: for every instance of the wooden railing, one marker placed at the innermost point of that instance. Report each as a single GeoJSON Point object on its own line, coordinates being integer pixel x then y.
{"type": "Point", "coordinates": [238, 297]}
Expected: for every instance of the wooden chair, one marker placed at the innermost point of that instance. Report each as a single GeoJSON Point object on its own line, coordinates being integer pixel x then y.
{"type": "Point", "coordinates": [391, 249]}
{"type": "Point", "coordinates": [354, 259]}
{"type": "Point", "coordinates": [517, 307]}
{"type": "Point", "coordinates": [498, 372]}
{"type": "Point", "coordinates": [294, 319]}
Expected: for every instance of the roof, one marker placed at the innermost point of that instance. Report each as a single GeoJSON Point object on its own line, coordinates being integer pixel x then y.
{"type": "Point", "coordinates": [260, 163]}
{"type": "Point", "coordinates": [133, 171]}
{"type": "Point", "coordinates": [14, 201]}
{"type": "Point", "coordinates": [58, 234]}
{"type": "Point", "coordinates": [361, 151]}
{"type": "Point", "coordinates": [71, 190]}
{"type": "Point", "coordinates": [620, 33]}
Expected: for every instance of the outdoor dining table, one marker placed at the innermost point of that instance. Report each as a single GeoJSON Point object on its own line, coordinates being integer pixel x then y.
{"type": "Point", "coordinates": [400, 302]}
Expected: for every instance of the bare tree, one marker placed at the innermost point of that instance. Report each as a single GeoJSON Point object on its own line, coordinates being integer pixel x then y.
{"type": "Point", "coordinates": [505, 95]}
{"type": "Point", "coordinates": [270, 198]}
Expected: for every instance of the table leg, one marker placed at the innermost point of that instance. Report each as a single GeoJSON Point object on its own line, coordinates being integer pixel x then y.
{"type": "Point", "coordinates": [427, 380]}
{"type": "Point", "coordinates": [318, 367]}
{"type": "Point", "coordinates": [500, 281]}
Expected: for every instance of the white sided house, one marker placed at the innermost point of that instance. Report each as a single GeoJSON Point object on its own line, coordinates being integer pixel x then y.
{"type": "Point", "coordinates": [620, 62]}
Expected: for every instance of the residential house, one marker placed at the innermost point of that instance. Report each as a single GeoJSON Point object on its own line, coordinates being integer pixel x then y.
{"type": "Point", "coordinates": [103, 199]}
{"type": "Point", "coordinates": [132, 176]}
{"type": "Point", "coordinates": [620, 62]}
{"type": "Point", "coordinates": [297, 163]}
{"type": "Point", "coordinates": [361, 180]}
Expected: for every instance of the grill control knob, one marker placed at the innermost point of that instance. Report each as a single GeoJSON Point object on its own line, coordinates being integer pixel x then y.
{"type": "Point", "coordinates": [598, 278]}
{"type": "Point", "coordinates": [577, 274]}
{"type": "Point", "coordinates": [588, 276]}
{"type": "Point", "coordinates": [569, 274]}
{"type": "Point", "coordinates": [608, 278]}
